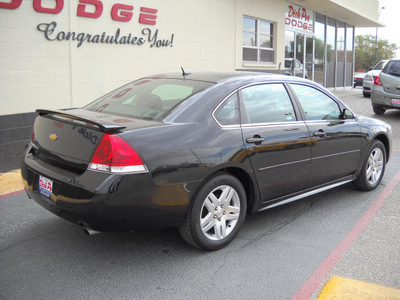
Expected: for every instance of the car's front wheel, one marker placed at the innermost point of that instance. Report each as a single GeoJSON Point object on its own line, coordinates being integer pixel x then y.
{"type": "Point", "coordinates": [373, 167]}
{"type": "Point", "coordinates": [215, 214]}
{"type": "Point", "coordinates": [379, 110]}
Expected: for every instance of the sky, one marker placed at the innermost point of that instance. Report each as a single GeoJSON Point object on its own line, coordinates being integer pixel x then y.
{"type": "Point", "coordinates": [391, 18]}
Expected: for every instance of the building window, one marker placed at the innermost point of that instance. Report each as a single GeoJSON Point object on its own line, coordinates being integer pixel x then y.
{"type": "Point", "coordinates": [258, 40]}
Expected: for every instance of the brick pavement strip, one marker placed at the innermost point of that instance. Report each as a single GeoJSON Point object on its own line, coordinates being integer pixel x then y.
{"type": "Point", "coordinates": [10, 182]}
{"type": "Point", "coordinates": [345, 288]}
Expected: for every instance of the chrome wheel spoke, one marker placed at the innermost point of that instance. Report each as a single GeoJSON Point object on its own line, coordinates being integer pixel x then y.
{"type": "Point", "coordinates": [369, 172]}
{"type": "Point", "coordinates": [227, 195]}
{"type": "Point", "coordinates": [213, 199]}
{"type": "Point", "coordinates": [373, 178]}
{"type": "Point", "coordinates": [232, 213]}
{"type": "Point", "coordinates": [209, 204]}
{"type": "Point", "coordinates": [208, 222]}
{"type": "Point", "coordinates": [220, 230]}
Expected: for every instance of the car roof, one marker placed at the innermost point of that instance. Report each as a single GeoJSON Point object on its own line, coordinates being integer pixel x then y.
{"type": "Point", "coordinates": [220, 76]}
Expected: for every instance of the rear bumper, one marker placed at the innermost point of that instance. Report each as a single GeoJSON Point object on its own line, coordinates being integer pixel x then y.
{"type": "Point", "coordinates": [380, 98]}
{"type": "Point", "coordinates": [107, 202]}
{"type": "Point", "coordinates": [367, 86]}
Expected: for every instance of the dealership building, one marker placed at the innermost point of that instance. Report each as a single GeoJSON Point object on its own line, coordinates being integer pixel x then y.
{"type": "Point", "coordinates": [61, 54]}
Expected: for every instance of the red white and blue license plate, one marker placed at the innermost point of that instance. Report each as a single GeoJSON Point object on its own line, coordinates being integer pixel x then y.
{"type": "Point", "coordinates": [45, 186]}
{"type": "Point", "coordinates": [396, 102]}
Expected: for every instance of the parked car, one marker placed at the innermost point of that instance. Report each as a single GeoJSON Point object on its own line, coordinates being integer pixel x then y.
{"type": "Point", "coordinates": [295, 67]}
{"type": "Point", "coordinates": [358, 79]}
{"type": "Point", "coordinates": [198, 152]}
{"type": "Point", "coordinates": [368, 80]}
{"type": "Point", "coordinates": [386, 88]}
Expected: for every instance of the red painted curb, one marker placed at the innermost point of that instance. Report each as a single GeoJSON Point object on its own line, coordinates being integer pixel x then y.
{"type": "Point", "coordinates": [12, 194]}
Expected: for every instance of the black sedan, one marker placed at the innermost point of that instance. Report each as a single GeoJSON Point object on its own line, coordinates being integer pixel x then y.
{"type": "Point", "coordinates": [199, 152]}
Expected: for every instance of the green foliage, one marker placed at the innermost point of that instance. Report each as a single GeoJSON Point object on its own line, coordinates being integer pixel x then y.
{"type": "Point", "coordinates": [365, 51]}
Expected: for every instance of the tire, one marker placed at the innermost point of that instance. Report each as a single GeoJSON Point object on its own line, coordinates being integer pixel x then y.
{"type": "Point", "coordinates": [215, 214]}
{"type": "Point", "coordinates": [379, 110]}
{"type": "Point", "coordinates": [367, 95]}
{"type": "Point", "coordinates": [373, 168]}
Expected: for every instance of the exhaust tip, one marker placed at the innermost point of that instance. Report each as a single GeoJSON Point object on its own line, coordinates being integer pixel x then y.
{"type": "Point", "coordinates": [87, 229]}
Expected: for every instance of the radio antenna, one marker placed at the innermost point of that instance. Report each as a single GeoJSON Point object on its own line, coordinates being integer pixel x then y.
{"type": "Point", "coordinates": [184, 73]}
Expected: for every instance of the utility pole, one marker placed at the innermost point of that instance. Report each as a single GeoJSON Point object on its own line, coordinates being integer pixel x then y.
{"type": "Point", "coordinates": [376, 36]}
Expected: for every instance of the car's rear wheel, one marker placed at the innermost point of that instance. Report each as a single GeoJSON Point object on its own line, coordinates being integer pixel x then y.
{"type": "Point", "coordinates": [365, 94]}
{"type": "Point", "coordinates": [373, 167]}
{"type": "Point", "coordinates": [215, 214]}
{"type": "Point", "coordinates": [379, 110]}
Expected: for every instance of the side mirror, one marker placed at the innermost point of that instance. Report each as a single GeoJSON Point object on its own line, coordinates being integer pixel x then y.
{"type": "Point", "coordinates": [347, 114]}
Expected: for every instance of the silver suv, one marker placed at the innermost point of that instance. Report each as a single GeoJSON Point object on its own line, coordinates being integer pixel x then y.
{"type": "Point", "coordinates": [386, 88]}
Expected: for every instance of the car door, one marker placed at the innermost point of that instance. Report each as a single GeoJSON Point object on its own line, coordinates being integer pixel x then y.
{"type": "Point", "coordinates": [336, 140]}
{"type": "Point", "coordinates": [279, 146]}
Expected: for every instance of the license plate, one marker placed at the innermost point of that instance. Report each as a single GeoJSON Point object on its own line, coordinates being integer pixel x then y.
{"type": "Point", "coordinates": [45, 186]}
{"type": "Point", "coordinates": [396, 102]}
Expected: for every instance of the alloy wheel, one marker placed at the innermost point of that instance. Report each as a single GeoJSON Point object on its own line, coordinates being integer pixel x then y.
{"type": "Point", "coordinates": [375, 166]}
{"type": "Point", "coordinates": [220, 213]}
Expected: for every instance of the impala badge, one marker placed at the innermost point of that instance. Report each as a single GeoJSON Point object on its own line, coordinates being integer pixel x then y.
{"type": "Point", "coordinates": [53, 136]}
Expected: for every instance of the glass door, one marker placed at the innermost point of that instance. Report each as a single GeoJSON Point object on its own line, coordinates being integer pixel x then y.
{"type": "Point", "coordinates": [299, 67]}
{"type": "Point", "coordinates": [309, 56]}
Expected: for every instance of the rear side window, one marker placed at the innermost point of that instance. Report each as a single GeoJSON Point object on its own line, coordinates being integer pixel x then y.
{"type": "Point", "coordinates": [380, 65]}
{"type": "Point", "coordinates": [316, 105]}
{"type": "Point", "coordinates": [147, 98]}
{"type": "Point", "coordinates": [392, 68]}
{"type": "Point", "coordinates": [267, 103]}
{"type": "Point", "coordinates": [228, 113]}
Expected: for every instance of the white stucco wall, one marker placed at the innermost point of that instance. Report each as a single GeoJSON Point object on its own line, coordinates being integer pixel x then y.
{"type": "Point", "coordinates": [37, 73]}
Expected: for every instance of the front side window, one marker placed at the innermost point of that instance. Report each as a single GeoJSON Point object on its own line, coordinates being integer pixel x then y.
{"type": "Point", "coordinates": [266, 103]}
{"type": "Point", "coordinates": [258, 40]}
{"type": "Point", "coordinates": [316, 105]}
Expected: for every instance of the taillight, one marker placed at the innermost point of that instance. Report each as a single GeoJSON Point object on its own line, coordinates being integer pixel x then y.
{"type": "Point", "coordinates": [377, 80]}
{"type": "Point", "coordinates": [115, 155]}
{"type": "Point", "coordinates": [33, 131]}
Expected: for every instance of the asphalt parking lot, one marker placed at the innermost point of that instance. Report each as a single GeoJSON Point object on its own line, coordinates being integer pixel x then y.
{"type": "Point", "coordinates": [289, 252]}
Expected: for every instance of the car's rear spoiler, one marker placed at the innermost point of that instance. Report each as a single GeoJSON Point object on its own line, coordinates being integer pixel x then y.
{"type": "Point", "coordinates": [104, 126]}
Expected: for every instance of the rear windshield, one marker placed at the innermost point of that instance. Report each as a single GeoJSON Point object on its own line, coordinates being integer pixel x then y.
{"type": "Point", "coordinates": [392, 68]}
{"type": "Point", "coordinates": [148, 98]}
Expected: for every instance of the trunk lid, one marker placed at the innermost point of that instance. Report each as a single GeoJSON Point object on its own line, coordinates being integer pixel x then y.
{"type": "Point", "coordinates": [68, 138]}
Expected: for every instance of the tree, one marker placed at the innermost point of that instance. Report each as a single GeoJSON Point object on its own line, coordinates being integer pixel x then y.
{"type": "Point", "coordinates": [365, 51]}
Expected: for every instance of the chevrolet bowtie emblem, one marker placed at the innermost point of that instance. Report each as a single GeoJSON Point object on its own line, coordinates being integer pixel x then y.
{"type": "Point", "coordinates": [53, 136]}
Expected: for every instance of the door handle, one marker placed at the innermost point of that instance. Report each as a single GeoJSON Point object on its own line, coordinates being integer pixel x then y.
{"type": "Point", "coordinates": [255, 140]}
{"type": "Point", "coordinates": [320, 133]}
